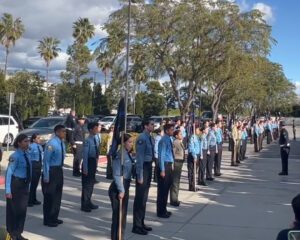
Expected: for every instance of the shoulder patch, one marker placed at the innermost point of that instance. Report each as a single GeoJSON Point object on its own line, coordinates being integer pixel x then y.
{"type": "Point", "coordinates": [50, 148]}
{"type": "Point", "coordinates": [140, 142]}
{"type": "Point", "coordinates": [11, 159]}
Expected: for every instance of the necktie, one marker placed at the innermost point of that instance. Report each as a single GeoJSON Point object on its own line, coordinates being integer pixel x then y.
{"type": "Point", "coordinates": [40, 154]}
{"type": "Point", "coordinates": [96, 146]}
{"type": "Point", "coordinates": [28, 170]}
{"type": "Point", "coordinates": [62, 153]}
{"type": "Point", "coordinates": [171, 144]}
{"type": "Point", "coordinates": [152, 148]}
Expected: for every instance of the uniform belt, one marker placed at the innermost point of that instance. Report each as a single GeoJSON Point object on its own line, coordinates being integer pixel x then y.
{"type": "Point", "coordinates": [168, 163]}
{"type": "Point", "coordinates": [58, 167]}
{"type": "Point", "coordinates": [220, 143]}
{"type": "Point", "coordinates": [150, 162]}
{"type": "Point", "coordinates": [79, 142]}
{"type": "Point", "coordinates": [19, 179]}
{"type": "Point", "coordinates": [211, 146]}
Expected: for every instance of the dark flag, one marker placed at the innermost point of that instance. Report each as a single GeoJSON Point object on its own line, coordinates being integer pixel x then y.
{"type": "Point", "coordinates": [119, 127]}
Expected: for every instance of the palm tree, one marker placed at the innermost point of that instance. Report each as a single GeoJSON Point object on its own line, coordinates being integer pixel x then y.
{"type": "Point", "coordinates": [48, 49]}
{"type": "Point", "coordinates": [10, 31]}
{"type": "Point", "coordinates": [104, 64]}
{"type": "Point", "coordinates": [83, 30]}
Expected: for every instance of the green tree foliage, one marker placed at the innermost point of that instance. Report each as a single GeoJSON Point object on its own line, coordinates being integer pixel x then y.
{"type": "Point", "coordinates": [10, 31]}
{"type": "Point", "coordinates": [31, 98]}
{"type": "Point", "coordinates": [48, 49]}
{"type": "Point", "coordinates": [100, 101]}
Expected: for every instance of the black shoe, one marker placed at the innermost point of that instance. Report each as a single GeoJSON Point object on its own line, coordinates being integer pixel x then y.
{"type": "Point", "coordinates": [77, 174]}
{"type": "Point", "coordinates": [96, 181]}
{"type": "Point", "coordinates": [109, 177]}
{"type": "Point", "coordinates": [166, 215]}
{"type": "Point", "coordinates": [210, 179]}
{"type": "Point", "coordinates": [93, 206]}
{"type": "Point", "coordinates": [36, 202]}
{"type": "Point", "coordinates": [20, 237]}
{"type": "Point", "coordinates": [238, 161]}
{"type": "Point", "coordinates": [51, 224]}
{"type": "Point", "coordinates": [175, 204]}
{"type": "Point", "coordinates": [283, 174]}
{"type": "Point", "coordinates": [203, 183]}
{"type": "Point", "coordinates": [169, 213]}
{"type": "Point", "coordinates": [59, 221]}
{"type": "Point", "coordinates": [218, 174]}
{"type": "Point", "coordinates": [140, 231]}
{"type": "Point", "coordinates": [30, 204]}
{"type": "Point", "coordinates": [147, 228]}
{"type": "Point", "coordinates": [85, 209]}
{"type": "Point", "coordinates": [234, 165]}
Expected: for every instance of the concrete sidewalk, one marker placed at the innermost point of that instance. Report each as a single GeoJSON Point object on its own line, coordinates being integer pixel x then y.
{"type": "Point", "coordinates": [248, 202]}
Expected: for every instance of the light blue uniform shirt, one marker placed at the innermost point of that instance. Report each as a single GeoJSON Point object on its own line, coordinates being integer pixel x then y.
{"type": "Point", "coordinates": [144, 152]}
{"type": "Point", "coordinates": [157, 139]}
{"type": "Point", "coordinates": [54, 155]}
{"type": "Point", "coordinates": [219, 135]}
{"type": "Point", "coordinates": [90, 150]}
{"type": "Point", "coordinates": [165, 151]}
{"type": "Point", "coordinates": [34, 152]}
{"type": "Point", "coordinates": [17, 167]}
{"type": "Point", "coordinates": [244, 135]}
{"type": "Point", "coordinates": [204, 144]}
{"type": "Point", "coordinates": [194, 146]}
{"type": "Point", "coordinates": [212, 139]}
{"type": "Point", "coordinates": [127, 168]}
{"type": "Point", "coordinates": [256, 130]}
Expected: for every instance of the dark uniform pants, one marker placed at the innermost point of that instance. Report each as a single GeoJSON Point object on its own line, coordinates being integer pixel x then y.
{"type": "Point", "coordinates": [256, 144]}
{"type": "Point", "coordinates": [141, 196]}
{"type": "Point", "coordinates": [115, 204]}
{"type": "Point", "coordinates": [156, 170]}
{"type": "Point", "coordinates": [260, 141]}
{"type": "Point", "coordinates": [269, 136]}
{"type": "Point", "coordinates": [174, 190]}
{"type": "Point", "coordinates": [163, 188]}
{"type": "Point", "coordinates": [109, 171]}
{"type": "Point", "coordinates": [235, 154]}
{"type": "Point", "coordinates": [243, 149]}
{"type": "Point", "coordinates": [210, 161]}
{"type": "Point", "coordinates": [17, 206]}
{"type": "Point", "coordinates": [88, 182]}
{"type": "Point", "coordinates": [191, 171]}
{"type": "Point", "coordinates": [52, 192]}
{"type": "Point", "coordinates": [218, 159]}
{"type": "Point", "coordinates": [77, 158]}
{"type": "Point", "coordinates": [203, 164]}
{"type": "Point", "coordinates": [284, 153]}
{"type": "Point", "coordinates": [35, 178]}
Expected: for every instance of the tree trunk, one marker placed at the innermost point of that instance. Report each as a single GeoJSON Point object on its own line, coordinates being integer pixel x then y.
{"type": "Point", "coordinates": [6, 60]}
{"type": "Point", "coordinates": [105, 78]}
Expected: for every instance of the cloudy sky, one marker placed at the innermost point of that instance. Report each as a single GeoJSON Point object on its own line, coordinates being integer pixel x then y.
{"type": "Point", "coordinates": [55, 17]}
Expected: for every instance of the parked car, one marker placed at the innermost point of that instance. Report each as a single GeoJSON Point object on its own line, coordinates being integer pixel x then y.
{"type": "Point", "coordinates": [107, 121]}
{"type": "Point", "coordinates": [94, 118]}
{"type": "Point", "coordinates": [6, 138]}
{"type": "Point", "coordinates": [44, 127]}
{"type": "Point", "coordinates": [158, 119]}
{"type": "Point", "coordinates": [134, 123]}
{"type": "Point", "coordinates": [30, 121]}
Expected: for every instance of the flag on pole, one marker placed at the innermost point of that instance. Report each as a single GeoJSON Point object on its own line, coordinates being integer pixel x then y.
{"type": "Point", "coordinates": [119, 127]}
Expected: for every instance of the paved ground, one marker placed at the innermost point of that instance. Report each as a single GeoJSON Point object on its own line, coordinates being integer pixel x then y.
{"type": "Point", "coordinates": [249, 202]}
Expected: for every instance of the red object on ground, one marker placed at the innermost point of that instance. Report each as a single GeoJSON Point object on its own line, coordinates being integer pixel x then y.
{"type": "Point", "coordinates": [102, 159]}
{"type": "Point", "coordinates": [2, 180]}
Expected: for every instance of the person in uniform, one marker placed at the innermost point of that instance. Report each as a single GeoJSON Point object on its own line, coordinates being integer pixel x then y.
{"type": "Point", "coordinates": [35, 156]}
{"type": "Point", "coordinates": [77, 145]}
{"type": "Point", "coordinates": [284, 148]}
{"type": "Point", "coordinates": [99, 141]}
{"type": "Point", "coordinates": [178, 150]}
{"type": "Point", "coordinates": [212, 151]}
{"type": "Point", "coordinates": [119, 188]}
{"type": "Point", "coordinates": [294, 129]}
{"type": "Point", "coordinates": [244, 139]}
{"type": "Point", "coordinates": [52, 177]}
{"type": "Point", "coordinates": [194, 152]}
{"type": "Point", "coordinates": [218, 157]}
{"type": "Point", "coordinates": [165, 178]}
{"type": "Point", "coordinates": [144, 159]}
{"type": "Point", "coordinates": [70, 125]}
{"type": "Point", "coordinates": [256, 136]}
{"type": "Point", "coordinates": [236, 147]}
{"type": "Point", "coordinates": [269, 131]}
{"type": "Point", "coordinates": [159, 134]}
{"type": "Point", "coordinates": [261, 135]}
{"type": "Point", "coordinates": [89, 166]}
{"type": "Point", "coordinates": [18, 176]}
{"type": "Point", "coordinates": [203, 156]}
{"type": "Point", "coordinates": [109, 172]}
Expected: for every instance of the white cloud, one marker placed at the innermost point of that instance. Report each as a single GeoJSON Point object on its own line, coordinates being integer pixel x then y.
{"type": "Point", "coordinates": [51, 18]}
{"type": "Point", "coordinates": [266, 10]}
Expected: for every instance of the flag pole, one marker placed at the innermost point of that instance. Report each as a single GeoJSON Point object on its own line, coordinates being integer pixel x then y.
{"type": "Point", "coordinates": [125, 113]}
{"type": "Point", "coordinates": [195, 160]}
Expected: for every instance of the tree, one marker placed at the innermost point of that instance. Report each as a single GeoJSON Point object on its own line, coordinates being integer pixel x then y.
{"type": "Point", "coordinates": [10, 31]}
{"type": "Point", "coordinates": [100, 101]}
{"type": "Point", "coordinates": [169, 97]}
{"type": "Point", "coordinates": [83, 30]}
{"type": "Point", "coordinates": [48, 49]}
